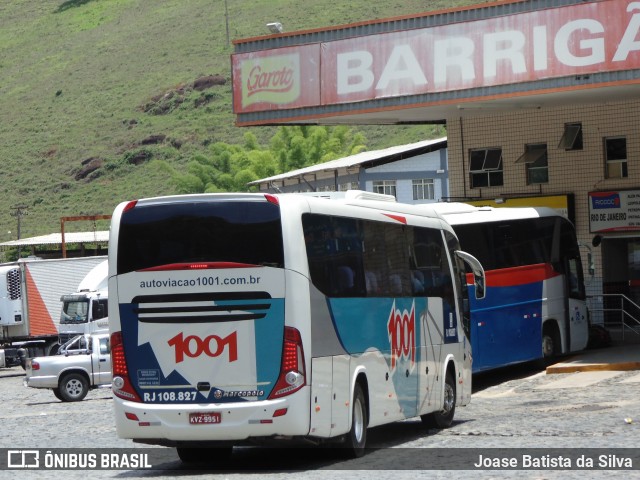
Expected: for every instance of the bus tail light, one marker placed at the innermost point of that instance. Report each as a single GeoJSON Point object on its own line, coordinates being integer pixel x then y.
{"type": "Point", "coordinates": [121, 385]}
{"type": "Point", "coordinates": [130, 206]}
{"type": "Point", "coordinates": [292, 370]}
{"type": "Point", "coordinates": [272, 199]}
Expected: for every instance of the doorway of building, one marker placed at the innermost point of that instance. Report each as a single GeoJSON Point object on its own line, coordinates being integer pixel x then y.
{"type": "Point", "coordinates": [621, 275]}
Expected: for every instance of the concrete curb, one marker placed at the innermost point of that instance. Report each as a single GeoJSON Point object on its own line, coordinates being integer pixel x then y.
{"type": "Point", "coordinates": [592, 367]}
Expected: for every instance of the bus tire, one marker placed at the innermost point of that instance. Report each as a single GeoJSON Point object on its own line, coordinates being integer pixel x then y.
{"type": "Point", "coordinates": [550, 344]}
{"type": "Point", "coordinates": [357, 436]}
{"type": "Point", "coordinates": [443, 418]}
{"type": "Point", "coordinates": [204, 455]}
{"type": "Point", "coordinates": [73, 387]}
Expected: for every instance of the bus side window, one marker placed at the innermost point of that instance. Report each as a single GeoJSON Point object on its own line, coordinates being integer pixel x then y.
{"type": "Point", "coordinates": [397, 255]}
{"type": "Point", "coordinates": [334, 254]}
{"type": "Point", "coordinates": [316, 238]}
{"type": "Point", "coordinates": [429, 254]}
{"type": "Point", "coordinates": [373, 254]}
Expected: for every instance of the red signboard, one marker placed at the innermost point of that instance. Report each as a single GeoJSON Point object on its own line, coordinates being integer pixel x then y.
{"type": "Point", "coordinates": [556, 42]}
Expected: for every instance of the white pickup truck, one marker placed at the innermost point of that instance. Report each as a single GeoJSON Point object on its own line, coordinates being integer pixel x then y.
{"type": "Point", "coordinates": [82, 363]}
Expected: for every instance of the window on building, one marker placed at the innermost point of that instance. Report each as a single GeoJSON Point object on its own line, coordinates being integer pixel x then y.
{"type": "Point", "coordinates": [615, 150]}
{"type": "Point", "coordinates": [485, 167]}
{"type": "Point", "coordinates": [388, 187]}
{"type": "Point", "coordinates": [423, 189]}
{"type": "Point", "coordinates": [535, 157]}
{"type": "Point", "coordinates": [572, 137]}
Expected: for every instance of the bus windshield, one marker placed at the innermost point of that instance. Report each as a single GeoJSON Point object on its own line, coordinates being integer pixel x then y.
{"type": "Point", "coordinates": [190, 232]}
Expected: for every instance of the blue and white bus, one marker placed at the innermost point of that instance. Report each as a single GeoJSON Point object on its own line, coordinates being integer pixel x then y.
{"type": "Point", "coordinates": [535, 305]}
{"type": "Point", "coordinates": [239, 317]}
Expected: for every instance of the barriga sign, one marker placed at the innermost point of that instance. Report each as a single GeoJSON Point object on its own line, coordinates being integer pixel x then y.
{"type": "Point", "coordinates": [550, 43]}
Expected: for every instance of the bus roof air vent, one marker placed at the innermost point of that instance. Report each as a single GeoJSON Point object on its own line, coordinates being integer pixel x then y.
{"type": "Point", "coordinates": [362, 195]}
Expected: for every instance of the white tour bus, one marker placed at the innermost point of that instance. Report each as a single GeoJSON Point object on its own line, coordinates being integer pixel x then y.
{"type": "Point", "coordinates": [239, 317]}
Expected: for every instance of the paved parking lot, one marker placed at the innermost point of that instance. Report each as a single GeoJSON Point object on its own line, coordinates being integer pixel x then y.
{"type": "Point", "coordinates": [517, 409]}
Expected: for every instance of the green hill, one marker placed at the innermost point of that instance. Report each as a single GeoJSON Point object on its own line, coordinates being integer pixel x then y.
{"type": "Point", "coordinates": [94, 90]}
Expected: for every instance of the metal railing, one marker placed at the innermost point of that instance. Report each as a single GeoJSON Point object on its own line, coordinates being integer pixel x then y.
{"type": "Point", "coordinates": [613, 311]}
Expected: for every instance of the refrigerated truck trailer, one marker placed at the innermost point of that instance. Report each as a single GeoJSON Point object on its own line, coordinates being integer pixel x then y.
{"type": "Point", "coordinates": [30, 293]}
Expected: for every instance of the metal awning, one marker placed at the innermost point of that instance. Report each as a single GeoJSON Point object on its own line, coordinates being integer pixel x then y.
{"type": "Point", "coordinates": [100, 236]}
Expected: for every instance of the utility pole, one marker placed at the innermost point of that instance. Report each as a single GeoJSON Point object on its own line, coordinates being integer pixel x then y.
{"type": "Point", "coordinates": [226, 20]}
{"type": "Point", "coordinates": [19, 211]}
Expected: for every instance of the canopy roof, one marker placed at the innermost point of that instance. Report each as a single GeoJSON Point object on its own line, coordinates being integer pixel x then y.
{"type": "Point", "coordinates": [101, 236]}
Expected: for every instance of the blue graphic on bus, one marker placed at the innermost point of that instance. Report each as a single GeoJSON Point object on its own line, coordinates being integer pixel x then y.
{"type": "Point", "coordinates": [159, 368]}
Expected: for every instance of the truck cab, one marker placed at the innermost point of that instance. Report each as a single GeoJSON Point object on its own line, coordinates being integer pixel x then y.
{"type": "Point", "coordinates": [85, 311]}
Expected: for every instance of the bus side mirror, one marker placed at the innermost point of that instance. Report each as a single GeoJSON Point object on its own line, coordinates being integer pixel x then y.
{"type": "Point", "coordinates": [479, 279]}
{"type": "Point", "coordinates": [479, 282]}
{"type": "Point", "coordinates": [592, 267]}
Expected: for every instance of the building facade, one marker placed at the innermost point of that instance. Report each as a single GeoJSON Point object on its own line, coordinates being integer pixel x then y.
{"type": "Point", "coordinates": [540, 99]}
{"type": "Point", "coordinates": [603, 157]}
{"type": "Point", "coordinates": [413, 173]}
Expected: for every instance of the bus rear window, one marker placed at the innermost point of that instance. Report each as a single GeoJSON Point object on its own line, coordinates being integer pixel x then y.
{"type": "Point", "coordinates": [188, 232]}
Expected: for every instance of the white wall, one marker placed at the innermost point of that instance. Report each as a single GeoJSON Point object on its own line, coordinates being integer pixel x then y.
{"type": "Point", "coordinates": [427, 165]}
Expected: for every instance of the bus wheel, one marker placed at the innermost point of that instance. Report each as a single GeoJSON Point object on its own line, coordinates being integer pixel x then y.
{"type": "Point", "coordinates": [547, 346]}
{"type": "Point", "coordinates": [357, 436]}
{"type": "Point", "coordinates": [444, 417]}
{"type": "Point", "coordinates": [204, 455]}
{"type": "Point", "coordinates": [550, 345]}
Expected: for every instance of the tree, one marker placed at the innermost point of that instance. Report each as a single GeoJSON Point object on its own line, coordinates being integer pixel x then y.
{"type": "Point", "coordinates": [301, 146]}
{"type": "Point", "coordinates": [229, 168]}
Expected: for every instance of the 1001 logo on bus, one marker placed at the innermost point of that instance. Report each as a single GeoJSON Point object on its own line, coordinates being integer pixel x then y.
{"type": "Point", "coordinates": [401, 327]}
{"type": "Point", "coordinates": [212, 346]}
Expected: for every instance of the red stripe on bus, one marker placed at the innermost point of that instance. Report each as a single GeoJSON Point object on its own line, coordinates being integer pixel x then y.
{"type": "Point", "coordinates": [508, 277]}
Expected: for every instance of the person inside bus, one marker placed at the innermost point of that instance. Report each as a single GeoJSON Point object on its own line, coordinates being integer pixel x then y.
{"type": "Point", "coordinates": [433, 282]}
{"type": "Point", "coordinates": [345, 280]}
{"type": "Point", "coordinates": [417, 282]}
{"type": "Point", "coordinates": [371, 282]}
